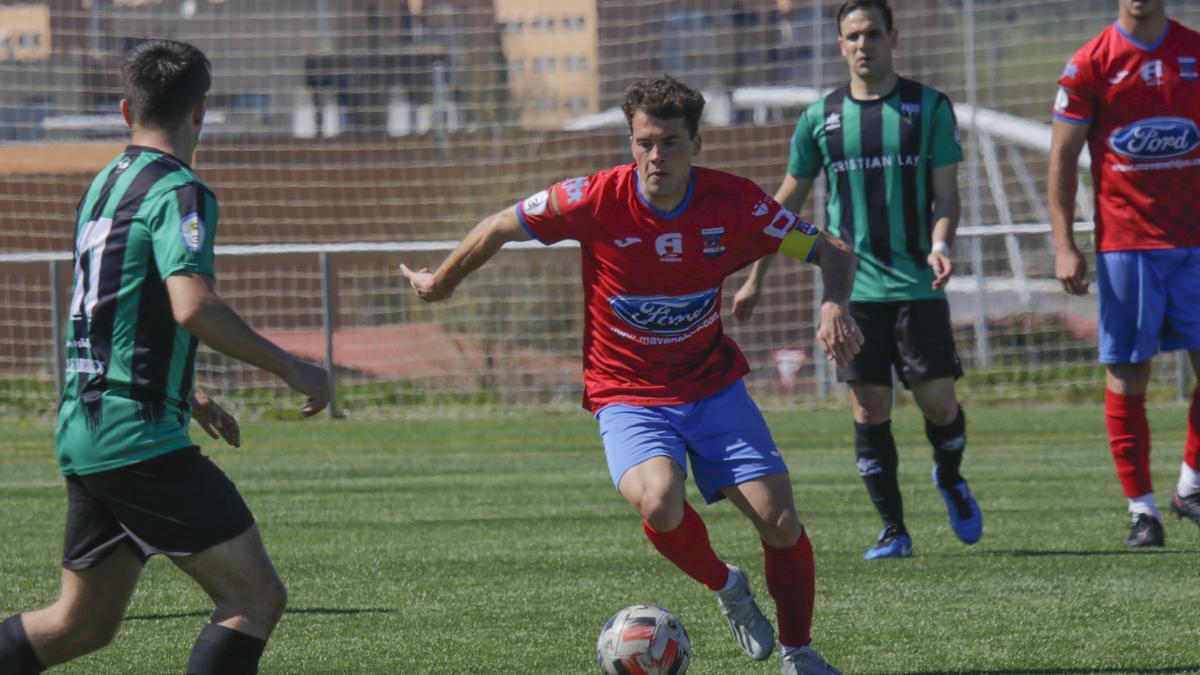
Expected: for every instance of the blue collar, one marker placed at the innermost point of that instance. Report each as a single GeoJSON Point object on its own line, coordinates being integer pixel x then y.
{"type": "Point", "coordinates": [1138, 43]}
{"type": "Point", "coordinates": [687, 198]}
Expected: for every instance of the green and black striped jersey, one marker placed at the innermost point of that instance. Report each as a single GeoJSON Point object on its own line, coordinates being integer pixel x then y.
{"type": "Point", "coordinates": [129, 365]}
{"type": "Point", "coordinates": [879, 157]}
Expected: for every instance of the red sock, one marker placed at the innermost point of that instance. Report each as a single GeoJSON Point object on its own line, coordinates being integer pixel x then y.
{"type": "Point", "coordinates": [688, 547]}
{"type": "Point", "coordinates": [1191, 447]}
{"type": "Point", "coordinates": [790, 580]}
{"type": "Point", "coordinates": [1129, 439]}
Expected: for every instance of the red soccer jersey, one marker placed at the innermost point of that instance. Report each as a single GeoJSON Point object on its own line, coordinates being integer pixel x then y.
{"type": "Point", "coordinates": [652, 330]}
{"type": "Point", "coordinates": [1143, 104]}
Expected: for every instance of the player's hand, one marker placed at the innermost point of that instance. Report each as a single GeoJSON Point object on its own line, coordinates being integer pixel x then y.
{"type": "Point", "coordinates": [312, 381]}
{"type": "Point", "coordinates": [745, 300]}
{"type": "Point", "coordinates": [422, 282]}
{"type": "Point", "coordinates": [839, 334]}
{"type": "Point", "coordinates": [215, 420]}
{"type": "Point", "coordinates": [942, 268]}
{"type": "Point", "coordinates": [1070, 267]}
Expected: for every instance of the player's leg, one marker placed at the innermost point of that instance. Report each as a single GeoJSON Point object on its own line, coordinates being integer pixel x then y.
{"type": "Point", "coordinates": [100, 569]}
{"type": "Point", "coordinates": [788, 561]}
{"type": "Point", "coordinates": [1185, 500]}
{"type": "Point", "coordinates": [183, 506]}
{"type": "Point", "coordinates": [646, 457]}
{"type": "Point", "coordinates": [1132, 303]}
{"type": "Point", "coordinates": [869, 377]}
{"type": "Point", "coordinates": [930, 365]}
{"type": "Point", "coordinates": [89, 609]}
{"type": "Point", "coordinates": [249, 598]}
{"type": "Point", "coordinates": [1182, 331]}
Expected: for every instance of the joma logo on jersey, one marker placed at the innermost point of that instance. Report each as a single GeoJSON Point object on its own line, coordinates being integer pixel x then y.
{"type": "Point", "coordinates": [664, 314]}
{"type": "Point", "coordinates": [1156, 138]}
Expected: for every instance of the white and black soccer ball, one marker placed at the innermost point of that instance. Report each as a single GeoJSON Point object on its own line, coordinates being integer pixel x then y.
{"type": "Point", "coordinates": [644, 640]}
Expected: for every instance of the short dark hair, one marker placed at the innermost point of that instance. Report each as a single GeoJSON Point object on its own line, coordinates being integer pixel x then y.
{"type": "Point", "coordinates": [163, 80]}
{"type": "Point", "coordinates": [665, 98]}
{"type": "Point", "coordinates": [865, 5]}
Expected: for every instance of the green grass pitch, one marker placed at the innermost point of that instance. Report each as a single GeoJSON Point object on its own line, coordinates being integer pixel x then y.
{"type": "Point", "coordinates": [499, 546]}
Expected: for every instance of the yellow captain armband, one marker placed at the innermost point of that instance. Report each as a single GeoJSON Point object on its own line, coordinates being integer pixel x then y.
{"type": "Point", "coordinates": [799, 244]}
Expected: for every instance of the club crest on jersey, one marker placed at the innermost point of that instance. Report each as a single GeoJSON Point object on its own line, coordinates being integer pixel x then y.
{"type": "Point", "coordinates": [1156, 138]}
{"type": "Point", "coordinates": [910, 112]}
{"type": "Point", "coordinates": [714, 241]}
{"type": "Point", "coordinates": [536, 204]}
{"type": "Point", "coordinates": [833, 122]}
{"type": "Point", "coordinates": [762, 207]}
{"type": "Point", "coordinates": [1187, 68]}
{"type": "Point", "coordinates": [191, 231]}
{"type": "Point", "coordinates": [664, 314]}
{"type": "Point", "coordinates": [1070, 70]}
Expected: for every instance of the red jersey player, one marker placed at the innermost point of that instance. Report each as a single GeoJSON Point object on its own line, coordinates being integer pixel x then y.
{"type": "Point", "coordinates": [657, 239]}
{"type": "Point", "coordinates": [1133, 94]}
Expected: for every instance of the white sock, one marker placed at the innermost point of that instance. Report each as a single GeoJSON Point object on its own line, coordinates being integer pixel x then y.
{"type": "Point", "coordinates": [730, 582]}
{"type": "Point", "coordinates": [1144, 505]}
{"type": "Point", "coordinates": [1189, 481]}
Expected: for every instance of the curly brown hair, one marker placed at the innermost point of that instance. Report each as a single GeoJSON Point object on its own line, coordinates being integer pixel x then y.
{"type": "Point", "coordinates": [665, 98]}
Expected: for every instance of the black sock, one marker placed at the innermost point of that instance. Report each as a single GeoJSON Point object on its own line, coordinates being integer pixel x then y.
{"type": "Point", "coordinates": [224, 651]}
{"type": "Point", "coordinates": [877, 464]}
{"type": "Point", "coordinates": [16, 651]}
{"type": "Point", "coordinates": [948, 445]}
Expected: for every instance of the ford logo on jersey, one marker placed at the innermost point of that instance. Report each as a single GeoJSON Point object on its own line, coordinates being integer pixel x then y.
{"type": "Point", "coordinates": [1156, 138]}
{"type": "Point", "coordinates": [664, 314]}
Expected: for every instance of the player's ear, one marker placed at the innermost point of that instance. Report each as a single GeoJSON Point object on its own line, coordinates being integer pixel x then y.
{"type": "Point", "coordinates": [198, 112]}
{"type": "Point", "coordinates": [696, 143]}
{"type": "Point", "coordinates": [127, 113]}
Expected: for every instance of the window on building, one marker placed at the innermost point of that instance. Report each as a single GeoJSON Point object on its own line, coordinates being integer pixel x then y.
{"type": "Point", "coordinates": [575, 64]}
{"type": "Point", "coordinates": [516, 65]}
{"type": "Point", "coordinates": [576, 104]}
{"type": "Point", "coordinates": [513, 26]}
{"type": "Point", "coordinates": [544, 64]}
{"type": "Point", "coordinates": [574, 22]}
{"type": "Point", "coordinates": [543, 23]}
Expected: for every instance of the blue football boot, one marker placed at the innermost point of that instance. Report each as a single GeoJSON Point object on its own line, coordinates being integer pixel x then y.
{"type": "Point", "coordinates": [965, 517]}
{"type": "Point", "coordinates": [892, 543]}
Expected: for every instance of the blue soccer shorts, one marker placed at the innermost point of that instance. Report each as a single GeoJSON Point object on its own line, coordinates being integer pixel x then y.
{"type": "Point", "coordinates": [724, 435]}
{"type": "Point", "coordinates": [1149, 301]}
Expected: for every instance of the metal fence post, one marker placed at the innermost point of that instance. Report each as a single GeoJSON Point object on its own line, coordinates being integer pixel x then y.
{"type": "Point", "coordinates": [982, 341]}
{"type": "Point", "coordinates": [327, 326]}
{"type": "Point", "coordinates": [56, 331]}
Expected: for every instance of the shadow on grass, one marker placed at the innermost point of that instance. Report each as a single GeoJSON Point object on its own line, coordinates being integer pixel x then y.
{"type": "Point", "coordinates": [299, 610]}
{"type": "Point", "coordinates": [1022, 553]}
{"type": "Point", "coordinates": [1056, 671]}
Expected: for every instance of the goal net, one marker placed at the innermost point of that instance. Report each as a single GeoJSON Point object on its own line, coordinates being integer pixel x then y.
{"type": "Point", "coordinates": [395, 124]}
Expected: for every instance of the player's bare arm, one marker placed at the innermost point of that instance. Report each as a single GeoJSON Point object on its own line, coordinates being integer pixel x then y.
{"type": "Point", "coordinates": [214, 419]}
{"type": "Point", "coordinates": [946, 212]}
{"type": "Point", "coordinates": [197, 307]}
{"type": "Point", "coordinates": [838, 333]}
{"type": "Point", "coordinates": [1066, 142]}
{"type": "Point", "coordinates": [478, 247]}
{"type": "Point", "coordinates": [791, 195]}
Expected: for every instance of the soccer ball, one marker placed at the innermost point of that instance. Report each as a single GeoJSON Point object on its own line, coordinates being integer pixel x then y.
{"type": "Point", "coordinates": [646, 640]}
